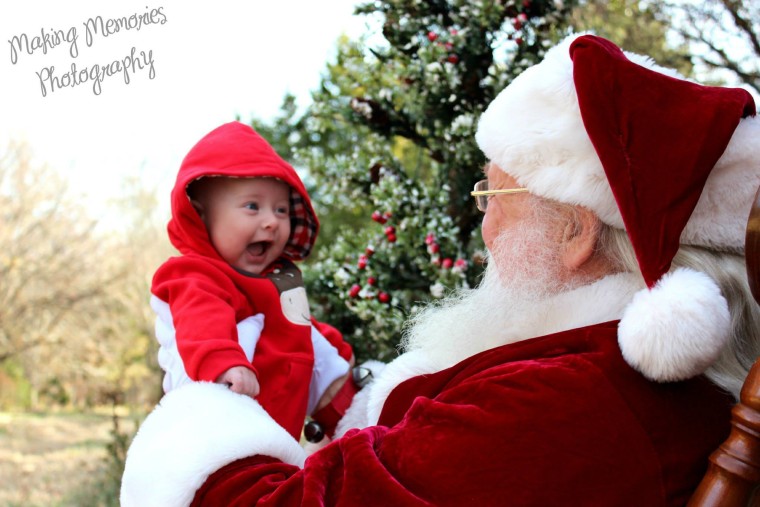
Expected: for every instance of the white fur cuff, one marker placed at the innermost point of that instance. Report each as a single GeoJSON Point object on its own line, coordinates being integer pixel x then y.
{"type": "Point", "coordinates": [195, 430]}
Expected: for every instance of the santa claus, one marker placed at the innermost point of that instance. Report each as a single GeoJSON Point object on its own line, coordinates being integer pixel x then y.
{"type": "Point", "coordinates": [596, 362]}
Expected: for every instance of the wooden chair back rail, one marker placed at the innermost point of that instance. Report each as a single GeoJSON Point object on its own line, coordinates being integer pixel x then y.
{"type": "Point", "coordinates": [734, 469]}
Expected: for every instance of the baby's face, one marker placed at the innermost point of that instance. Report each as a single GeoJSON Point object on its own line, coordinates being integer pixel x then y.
{"type": "Point", "coordinates": [248, 220]}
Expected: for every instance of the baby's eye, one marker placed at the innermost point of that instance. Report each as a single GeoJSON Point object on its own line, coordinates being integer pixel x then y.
{"type": "Point", "coordinates": [252, 206]}
{"type": "Point", "coordinates": [283, 210]}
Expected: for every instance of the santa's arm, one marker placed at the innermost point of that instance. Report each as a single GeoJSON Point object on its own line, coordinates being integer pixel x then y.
{"type": "Point", "coordinates": [232, 451]}
{"type": "Point", "coordinates": [441, 440]}
{"type": "Point", "coordinates": [206, 446]}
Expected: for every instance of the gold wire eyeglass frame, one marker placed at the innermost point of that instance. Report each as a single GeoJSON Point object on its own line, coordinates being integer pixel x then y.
{"type": "Point", "coordinates": [481, 193]}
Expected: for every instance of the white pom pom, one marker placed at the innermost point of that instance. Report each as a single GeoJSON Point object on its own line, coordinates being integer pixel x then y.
{"type": "Point", "coordinates": [677, 329]}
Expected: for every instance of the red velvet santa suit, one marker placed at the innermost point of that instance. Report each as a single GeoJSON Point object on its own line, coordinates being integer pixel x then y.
{"type": "Point", "coordinates": [559, 420]}
{"type": "Point", "coordinates": [208, 298]}
{"type": "Point", "coordinates": [556, 420]}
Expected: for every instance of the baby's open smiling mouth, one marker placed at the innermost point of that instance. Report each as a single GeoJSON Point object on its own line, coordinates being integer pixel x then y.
{"type": "Point", "coordinates": [258, 248]}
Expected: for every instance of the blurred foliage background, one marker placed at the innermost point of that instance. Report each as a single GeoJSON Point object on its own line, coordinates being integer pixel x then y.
{"type": "Point", "coordinates": [387, 151]}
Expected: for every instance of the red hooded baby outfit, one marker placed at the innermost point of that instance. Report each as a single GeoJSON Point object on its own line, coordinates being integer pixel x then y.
{"type": "Point", "coordinates": [218, 315]}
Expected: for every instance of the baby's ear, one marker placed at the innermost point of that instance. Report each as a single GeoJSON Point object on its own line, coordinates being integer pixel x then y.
{"type": "Point", "coordinates": [198, 207]}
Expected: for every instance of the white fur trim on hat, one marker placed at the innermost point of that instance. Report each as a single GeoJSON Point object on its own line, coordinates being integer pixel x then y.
{"type": "Point", "coordinates": [677, 329]}
{"type": "Point", "coordinates": [533, 130]}
{"type": "Point", "coordinates": [195, 430]}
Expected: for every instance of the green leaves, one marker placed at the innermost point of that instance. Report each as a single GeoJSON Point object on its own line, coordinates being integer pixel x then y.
{"type": "Point", "coordinates": [390, 135]}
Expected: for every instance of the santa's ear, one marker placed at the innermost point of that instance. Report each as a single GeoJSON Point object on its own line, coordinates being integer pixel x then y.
{"type": "Point", "coordinates": [580, 238]}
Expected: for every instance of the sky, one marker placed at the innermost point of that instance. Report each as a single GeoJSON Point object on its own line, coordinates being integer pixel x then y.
{"type": "Point", "coordinates": [194, 66]}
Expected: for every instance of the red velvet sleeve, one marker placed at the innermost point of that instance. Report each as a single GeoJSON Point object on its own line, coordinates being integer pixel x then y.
{"type": "Point", "coordinates": [346, 472]}
{"type": "Point", "coordinates": [203, 306]}
{"type": "Point", "coordinates": [335, 338]}
{"type": "Point", "coordinates": [540, 432]}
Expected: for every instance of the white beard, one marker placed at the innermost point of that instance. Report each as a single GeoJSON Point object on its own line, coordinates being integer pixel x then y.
{"type": "Point", "coordinates": [521, 277]}
{"type": "Point", "coordinates": [491, 315]}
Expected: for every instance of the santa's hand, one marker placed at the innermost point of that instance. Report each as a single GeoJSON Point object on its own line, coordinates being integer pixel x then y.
{"type": "Point", "coordinates": [240, 380]}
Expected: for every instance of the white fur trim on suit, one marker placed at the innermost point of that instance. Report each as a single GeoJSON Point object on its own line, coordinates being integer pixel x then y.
{"type": "Point", "coordinates": [677, 329]}
{"type": "Point", "coordinates": [533, 130]}
{"type": "Point", "coordinates": [211, 427]}
{"type": "Point", "coordinates": [602, 301]}
{"type": "Point", "coordinates": [368, 403]}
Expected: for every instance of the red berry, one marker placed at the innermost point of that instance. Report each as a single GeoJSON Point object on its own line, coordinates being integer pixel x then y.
{"type": "Point", "coordinates": [377, 217]}
{"type": "Point", "coordinates": [391, 238]}
{"type": "Point", "coordinates": [526, 3]}
{"type": "Point", "coordinates": [390, 230]}
{"type": "Point", "coordinates": [384, 297]}
{"type": "Point", "coordinates": [430, 238]}
{"type": "Point", "coordinates": [449, 46]}
{"type": "Point", "coordinates": [369, 251]}
{"type": "Point", "coordinates": [371, 280]}
{"type": "Point", "coordinates": [387, 215]}
{"type": "Point", "coordinates": [362, 264]}
{"type": "Point", "coordinates": [461, 264]}
{"type": "Point", "coordinates": [354, 290]}
{"type": "Point", "coordinates": [522, 17]}
{"type": "Point", "coordinates": [519, 40]}
{"type": "Point", "coordinates": [432, 36]}
{"type": "Point", "coordinates": [453, 31]}
{"type": "Point", "coordinates": [452, 59]}
{"type": "Point", "coordinates": [447, 263]}
{"type": "Point", "coordinates": [517, 24]}
{"type": "Point", "coordinates": [434, 248]}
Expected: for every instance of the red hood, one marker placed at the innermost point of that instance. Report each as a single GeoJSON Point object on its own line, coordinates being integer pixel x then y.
{"type": "Point", "coordinates": [236, 150]}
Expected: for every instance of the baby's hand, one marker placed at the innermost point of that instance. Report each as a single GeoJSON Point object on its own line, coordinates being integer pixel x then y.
{"type": "Point", "coordinates": [240, 380]}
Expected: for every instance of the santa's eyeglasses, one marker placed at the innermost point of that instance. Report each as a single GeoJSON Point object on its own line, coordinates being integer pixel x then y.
{"type": "Point", "coordinates": [481, 193]}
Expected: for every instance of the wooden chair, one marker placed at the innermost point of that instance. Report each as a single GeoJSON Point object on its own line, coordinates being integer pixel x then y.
{"type": "Point", "coordinates": [733, 473]}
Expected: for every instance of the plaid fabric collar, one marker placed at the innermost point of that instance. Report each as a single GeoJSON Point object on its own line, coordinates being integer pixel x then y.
{"type": "Point", "coordinates": [303, 229]}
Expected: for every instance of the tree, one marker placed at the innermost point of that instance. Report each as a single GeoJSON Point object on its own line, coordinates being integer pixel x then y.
{"type": "Point", "coordinates": [130, 372]}
{"type": "Point", "coordinates": [391, 157]}
{"type": "Point", "coordinates": [46, 275]}
{"type": "Point", "coordinates": [75, 323]}
{"type": "Point", "coordinates": [389, 152]}
{"type": "Point", "coordinates": [722, 35]}
{"type": "Point", "coordinates": [638, 27]}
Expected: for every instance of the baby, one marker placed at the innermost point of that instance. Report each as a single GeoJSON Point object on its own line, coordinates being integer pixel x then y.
{"type": "Point", "coordinates": [232, 307]}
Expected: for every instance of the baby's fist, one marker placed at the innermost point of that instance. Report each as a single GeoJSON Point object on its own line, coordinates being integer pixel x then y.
{"type": "Point", "coordinates": [240, 380]}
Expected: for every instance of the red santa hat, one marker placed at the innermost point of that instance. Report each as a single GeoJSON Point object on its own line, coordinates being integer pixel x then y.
{"type": "Point", "coordinates": [669, 160]}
